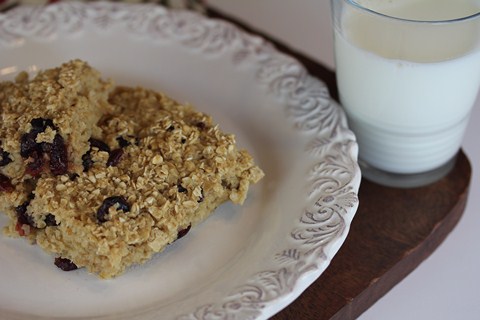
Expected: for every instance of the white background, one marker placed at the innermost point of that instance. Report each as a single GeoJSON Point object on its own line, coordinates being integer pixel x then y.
{"type": "Point", "coordinates": [447, 284]}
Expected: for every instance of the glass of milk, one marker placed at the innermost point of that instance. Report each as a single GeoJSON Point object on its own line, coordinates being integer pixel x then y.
{"type": "Point", "coordinates": [408, 74]}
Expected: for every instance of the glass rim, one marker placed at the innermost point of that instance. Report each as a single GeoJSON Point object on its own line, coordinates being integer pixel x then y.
{"type": "Point", "coordinates": [444, 21]}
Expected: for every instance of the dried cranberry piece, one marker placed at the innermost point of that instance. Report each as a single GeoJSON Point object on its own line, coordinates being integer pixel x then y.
{"type": "Point", "coordinates": [4, 158]}
{"type": "Point", "coordinates": [181, 233]}
{"type": "Point", "coordinates": [87, 161]}
{"type": "Point", "coordinates": [50, 220]}
{"type": "Point", "coordinates": [181, 188]}
{"type": "Point", "coordinates": [58, 156]}
{"type": "Point", "coordinates": [30, 149]}
{"type": "Point", "coordinates": [99, 144]}
{"type": "Point", "coordinates": [73, 176]}
{"type": "Point", "coordinates": [41, 124]}
{"type": "Point", "coordinates": [201, 125]}
{"type": "Point", "coordinates": [35, 166]}
{"type": "Point", "coordinates": [107, 203]}
{"type": "Point", "coordinates": [114, 157]}
{"type": "Point", "coordinates": [87, 157]}
{"type": "Point", "coordinates": [6, 184]}
{"type": "Point", "coordinates": [122, 142]}
{"type": "Point", "coordinates": [37, 124]}
{"type": "Point", "coordinates": [18, 228]}
{"type": "Point", "coordinates": [137, 141]}
{"type": "Point", "coordinates": [27, 140]}
{"type": "Point", "coordinates": [28, 144]}
{"type": "Point", "coordinates": [45, 147]}
{"type": "Point", "coordinates": [22, 216]}
{"type": "Point", "coordinates": [56, 150]}
{"type": "Point", "coordinates": [65, 264]}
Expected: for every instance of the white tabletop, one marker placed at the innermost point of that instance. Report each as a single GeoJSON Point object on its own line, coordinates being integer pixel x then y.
{"type": "Point", "coordinates": [447, 284]}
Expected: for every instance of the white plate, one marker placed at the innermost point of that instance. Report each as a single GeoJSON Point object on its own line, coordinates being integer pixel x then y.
{"type": "Point", "coordinates": [244, 262]}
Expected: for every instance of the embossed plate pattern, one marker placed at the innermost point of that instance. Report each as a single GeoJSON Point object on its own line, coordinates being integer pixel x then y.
{"type": "Point", "coordinates": [244, 262]}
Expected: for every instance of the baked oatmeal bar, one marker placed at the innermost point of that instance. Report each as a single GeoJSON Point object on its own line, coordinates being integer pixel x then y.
{"type": "Point", "coordinates": [41, 133]}
{"type": "Point", "coordinates": [155, 169]}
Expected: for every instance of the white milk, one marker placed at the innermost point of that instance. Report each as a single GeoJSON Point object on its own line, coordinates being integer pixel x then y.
{"type": "Point", "coordinates": [408, 102]}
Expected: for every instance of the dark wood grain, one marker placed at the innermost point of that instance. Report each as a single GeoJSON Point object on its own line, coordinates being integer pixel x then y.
{"type": "Point", "coordinates": [394, 230]}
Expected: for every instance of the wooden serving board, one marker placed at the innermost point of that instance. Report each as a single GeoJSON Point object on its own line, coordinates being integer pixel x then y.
{"type": "Point", "coordinates": [393, 231]}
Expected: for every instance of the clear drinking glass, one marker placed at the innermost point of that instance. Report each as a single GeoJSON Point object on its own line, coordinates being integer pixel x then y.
{"type": "Point", "coordinates": [408, 74]}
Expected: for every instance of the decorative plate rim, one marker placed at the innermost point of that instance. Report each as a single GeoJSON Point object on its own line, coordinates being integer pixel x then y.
{"type": "Point", "coordinates": [333, 181]}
